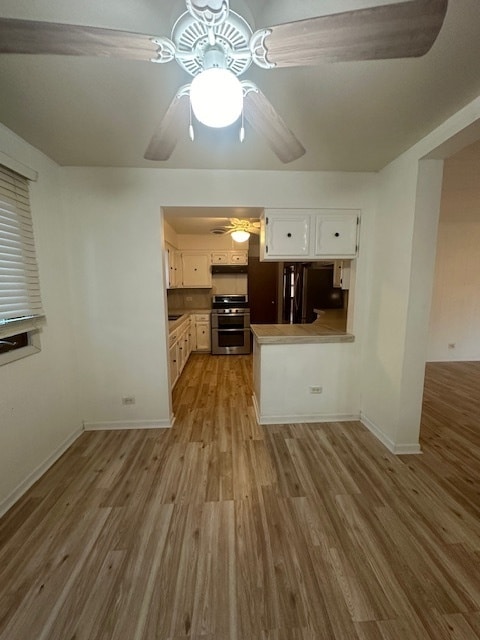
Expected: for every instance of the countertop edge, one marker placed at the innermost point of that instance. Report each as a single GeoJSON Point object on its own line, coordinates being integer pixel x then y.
{"type": "Point", "coordinates": [311, 334]}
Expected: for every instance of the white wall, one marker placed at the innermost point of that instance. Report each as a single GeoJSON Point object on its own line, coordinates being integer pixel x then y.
{"type": "Point", "coordinates": [286, 373]}
{"type": "Point", "coordinates": [38, 400]}
{"type": "Point", "coordinates": [119, 297]}
{"type": "Point", "coordinates": [115, 240]}
{"type": "Point", "coordinates": [456, 297]}
{"type": "Point", "coordinates": [402, 282]}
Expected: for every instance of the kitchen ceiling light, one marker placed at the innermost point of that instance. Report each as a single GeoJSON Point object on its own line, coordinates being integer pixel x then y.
{"type": "Point", "coordinates": [216, 96]}
{"type": "Point", "coordinates": [240, 236]}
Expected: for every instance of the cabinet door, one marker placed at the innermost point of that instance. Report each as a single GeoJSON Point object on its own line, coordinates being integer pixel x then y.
{"type": "Point", "coordinates": [192, 330]}
{"type": "Point", "coordinates": [220, 257]}
{"type": "Point", "coordinates": [238, 257]}
{"type": "Point", "coordinates": [170, 266]}
{"type": "Point", "coordinates": [196, 270]}
{"type": "Point", "coordinates": [286, 235]}
{"type": "Point", "coordinates": [181, 352]}
{"type": "Point", "coordinates": [341, 274]}
{"type": "Point", "coordinates": [336, 235]}
{"type": "Point", "coordinates": [203, 336]}
{"type": "Point", "coordinates": [173, 355]}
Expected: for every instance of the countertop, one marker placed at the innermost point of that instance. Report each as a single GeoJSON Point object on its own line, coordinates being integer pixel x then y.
{"type": "Point", "coordinates": [173, 324]}
{"type": "Point", "coordinates": [298, 334]}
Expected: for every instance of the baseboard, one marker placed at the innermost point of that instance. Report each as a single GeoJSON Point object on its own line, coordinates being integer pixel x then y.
{"type": "Point", "coordinates": [397, 449]}
{"type": "Point", "coordinates": [131, 424]}
{"type": "Point", "coordinates": [30, 480]}
{"type": "Point", "coordinates": [297, 419]}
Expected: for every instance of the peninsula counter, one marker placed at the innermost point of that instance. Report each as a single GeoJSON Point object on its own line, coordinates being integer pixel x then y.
{"type": "Point", "coordinates": [304, 373]}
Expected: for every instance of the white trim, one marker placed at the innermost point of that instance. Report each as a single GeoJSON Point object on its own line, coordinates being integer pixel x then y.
{"type": "Point", "coordinates": [20, 325]}
{"type": "Point", "coordinates": [18, 167]}
{"type": "Point", "coordinates": [397, 449]}
{"type": "Point", "coordinates": [407, 450]}
{"type": "Point", "coordinates": [29, 350]}
{"type": "Point", "coordinates": [297, 419]}
{"type": "Point", "coordinates": [30, 480]}
{"type": "Point", "coordinates": [132, 424]}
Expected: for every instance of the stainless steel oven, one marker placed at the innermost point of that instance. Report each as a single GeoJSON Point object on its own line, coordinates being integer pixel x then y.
{"type": "Point", "coordinates": [230, 324]}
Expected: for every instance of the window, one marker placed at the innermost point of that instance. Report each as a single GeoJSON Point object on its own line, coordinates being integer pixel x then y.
{"type": "Point", "coordinates": [20, 304]}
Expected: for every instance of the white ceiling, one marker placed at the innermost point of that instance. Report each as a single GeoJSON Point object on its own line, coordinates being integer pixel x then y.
{"type": "Point", "coordinates": [201, 220]}
{"type": "Point", "coordinates": [349, 116]}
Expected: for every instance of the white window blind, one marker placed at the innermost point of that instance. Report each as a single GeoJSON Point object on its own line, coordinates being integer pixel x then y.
{"type": "Point", "coordinates": [20, 301]}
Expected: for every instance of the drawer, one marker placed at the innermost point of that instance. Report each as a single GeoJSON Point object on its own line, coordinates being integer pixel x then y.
{"type": "Point", "coordinates": [202, 317]}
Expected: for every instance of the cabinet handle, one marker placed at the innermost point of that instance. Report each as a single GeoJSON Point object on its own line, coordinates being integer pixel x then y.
{"type": "Point", "coordinates": [289, 235]}
{"type": "Point", "coordinates": [337, 234]}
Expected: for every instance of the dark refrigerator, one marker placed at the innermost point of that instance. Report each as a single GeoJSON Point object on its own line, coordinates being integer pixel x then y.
{"type": "Point", "coordinates": [308, 286]}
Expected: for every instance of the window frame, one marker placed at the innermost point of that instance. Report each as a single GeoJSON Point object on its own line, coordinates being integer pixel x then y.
{"type": "Point", "coordinates": [20, 292]}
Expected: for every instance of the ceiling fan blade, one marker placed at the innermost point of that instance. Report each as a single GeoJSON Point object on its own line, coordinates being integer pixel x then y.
{"type": "Point", "coordinates": [165, 137]}
{"type": "Point", "coordinates": [263, 118]}
{"type": "Point", "coordinates": [401, 30]}
{"type": "Point", "coordinates": [29, 36]}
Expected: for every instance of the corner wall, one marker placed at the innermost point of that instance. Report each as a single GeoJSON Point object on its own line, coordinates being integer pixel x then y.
{"type": "Point", "coordinates": [402, 282]}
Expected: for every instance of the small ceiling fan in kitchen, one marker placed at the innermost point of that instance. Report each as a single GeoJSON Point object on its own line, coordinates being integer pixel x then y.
{"type": "Point", "coordinates": [240, 230]}
{"type": "Point", "coordinates": [216, 45]}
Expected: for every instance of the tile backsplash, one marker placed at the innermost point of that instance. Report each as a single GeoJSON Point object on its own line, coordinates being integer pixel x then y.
{"type": "Point", "coordinates": [179, 299]}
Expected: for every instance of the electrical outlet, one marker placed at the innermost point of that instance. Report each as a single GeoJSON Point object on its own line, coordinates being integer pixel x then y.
{"type": "Point", "coordinates": [128, 400]}
{"type": "Point", "coordinates": [315, 389]}
{"type": "Point", "coordinates": [451, 345]}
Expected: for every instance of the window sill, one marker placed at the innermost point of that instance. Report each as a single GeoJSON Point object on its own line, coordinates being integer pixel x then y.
{"type": "Point", "coordinates": [23, 352]}
{"type": "Point", "coordinates": [22, 325]}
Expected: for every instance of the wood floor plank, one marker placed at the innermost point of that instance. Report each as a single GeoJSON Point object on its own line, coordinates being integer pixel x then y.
{"type": "Point", "coordinates": [222, 529]}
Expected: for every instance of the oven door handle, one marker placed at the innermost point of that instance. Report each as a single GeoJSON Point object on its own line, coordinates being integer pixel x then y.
{"type": "Point", "coordinates": [231, 315]}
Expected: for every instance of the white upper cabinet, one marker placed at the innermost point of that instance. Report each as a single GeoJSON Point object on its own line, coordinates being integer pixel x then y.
{"type": "Point", "coordinates": [238, 257]}
{"type": "Point", "coordinates": [230, 257]}
{"type": "Point", "coordinates": [336, 234]}
{"type": "Point", "coordinates": [173, 267]}
{"type": "Point", "coordinates": [303, 234]}
{"type": "Point", "coordinates": [196, 269]}
{"type": "Point", "coordinates": [285, 234]}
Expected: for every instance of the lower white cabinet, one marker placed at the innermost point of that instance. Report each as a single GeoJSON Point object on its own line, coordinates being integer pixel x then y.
{"type": "Point", "coordinates": [202, 332]}
{"type": "Point", "coordinates": [180, 348]}
{"type": "Point", "coordinates": [192, 334]}
{"type": "Point", "coordinates": [173, 356]}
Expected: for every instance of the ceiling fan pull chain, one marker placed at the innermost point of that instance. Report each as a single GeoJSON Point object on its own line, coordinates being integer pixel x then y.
{"type": "Point", "coordinates": [242, 128]}
{"type": "Point", "coordinates": [191, 132]}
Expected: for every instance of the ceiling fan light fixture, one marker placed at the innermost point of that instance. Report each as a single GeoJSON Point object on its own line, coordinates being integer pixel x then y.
{"type": "Point", "coordinates": [240, 236]}
{"type": "Point", "coordinates": [216, 96]}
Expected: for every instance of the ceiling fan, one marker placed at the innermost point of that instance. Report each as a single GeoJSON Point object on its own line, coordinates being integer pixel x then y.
{"type": "Point", "coordinates": [215, 45]}
{"type": "Point", "coordinates": [240, 230]}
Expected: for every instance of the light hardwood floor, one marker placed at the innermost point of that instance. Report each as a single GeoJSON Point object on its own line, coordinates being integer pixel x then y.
{"type": "Point", "coordinates": [219, 529]}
